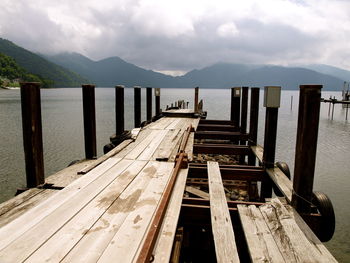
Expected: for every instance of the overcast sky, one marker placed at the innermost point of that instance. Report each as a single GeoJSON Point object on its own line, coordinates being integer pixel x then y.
{"type": "Point", "coordinates": [177, 36]}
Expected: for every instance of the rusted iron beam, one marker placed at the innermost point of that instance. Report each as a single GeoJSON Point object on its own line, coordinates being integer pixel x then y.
{"type": "Point", "coordinates": [221, 149]}
{"type": "Point", "coordinates": [220, 135]}
{"type": "Point", "coordinates": [89, 115]}
{"type": "Point", "coordinates": [216, 122]}
{"type": "Point", "coordinates": [32, 133]}
{"type": "Point", "coordinates": [216, 127]}
{"type": "Point", "coordinates": [229, 173]}
{"type": "Point", "coordinates": [306, 146]}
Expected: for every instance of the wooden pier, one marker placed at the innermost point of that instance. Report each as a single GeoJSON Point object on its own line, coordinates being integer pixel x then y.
{"type": "Point", "coordinates": [146, 200]}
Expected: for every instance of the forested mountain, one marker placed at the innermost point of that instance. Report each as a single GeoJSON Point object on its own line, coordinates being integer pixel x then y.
{"type": "Point", "coordinates": [37, 65]}
{"type": "Point", "coordinates": [11, 72]}
{"type": "Point", "coordinates": [114, 70]}
{"type": "Point", "coordinates": [111, 71]}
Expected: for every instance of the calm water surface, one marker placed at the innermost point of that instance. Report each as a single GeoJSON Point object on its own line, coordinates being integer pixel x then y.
{"type": "Point", "coordinates": [64, 142]}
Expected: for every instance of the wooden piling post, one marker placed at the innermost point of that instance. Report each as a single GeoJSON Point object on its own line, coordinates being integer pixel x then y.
{"type": "Point", "coordinates": [244, 112]}
{"type": "Point", "coordinates": [119, 109]}
{"type": "Point", "coordinates": [272, 98]}
{"type": "Point", "coordinates": [196, 92]}
{"type": "Point", "coordinates": [89, 121]}
{"type": "Point", "coordinates": [235, 105]}
{"type": "Point", "coordinates": [157, 95]}
{"type": "Point", "coordinates": [137, 106]}
{"type": "Point", "coordinates": [32, 133]}
{"type": "Point", "coordinates": [253, 123]}
{"type": "Point", "coordinates": [149, 103]}
{"type": "Point", "coordinates": [306, 146]}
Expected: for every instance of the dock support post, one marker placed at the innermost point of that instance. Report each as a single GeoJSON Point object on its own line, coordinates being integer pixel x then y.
{"type": "Point", "coordinates": [137, 106]}
{"type": "Point", "coordinates": [157, 95]}
{"type": "Point", "coordinates": [253, 123]}
{"type": "Point", "coordinates": [149, 103]}
{"type": "Point", "coordinates": [235, 105]}
{"type": "Point", "coordinates": [244, 113]}
{"type": "Point", "coordinates": [306, 146]}
{"type": "Point", "coordinates": [272, 97]}
{"type": "Point", "coordinates": [196, 91]}
{"type": "Point", "coordinates": [89, 121]}
{"type": "Point", "coordinates": [32, 133]}
{"type": "Point", "coordinates": [119, 109]}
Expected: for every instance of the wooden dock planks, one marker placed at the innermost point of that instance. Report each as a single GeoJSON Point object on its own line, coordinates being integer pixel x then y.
{"type": "Point", "coordinates": [224, 237]}
{"type": "Point", "coordinates": [275, 233]}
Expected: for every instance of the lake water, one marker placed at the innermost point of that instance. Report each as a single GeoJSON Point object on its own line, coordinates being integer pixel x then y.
{"type": "Point", "coordinates": [64, 141]}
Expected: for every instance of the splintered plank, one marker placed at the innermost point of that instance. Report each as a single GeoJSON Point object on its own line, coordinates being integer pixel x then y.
{"type": "Point", "coordinates": [224, 237]}
{"type": "Point", "coordinates": [152, 147]}
{"type": "Point", "coordinates": [167, 145]}
{"type": "Point", "coordinates": [189, 147]}
{"type": "Point", "coordinates": [42, 229]}
{"type": "Point", "coordinates": [261, 245]}
{"type": "Point", "coordinates": [197, 192]}
{"type": "Point", "coordinates": [56, 248]}
{"type": "Point", "coordinates": [16, 228]}
{"type": "Point", "coordinates": [294, 245]}
{"type": "Point", "coordinates": [97, 238]}
{"type": "Point", "coordinates": [164, 243]}
{"type": "Point", "coordinates": [128, 239]}
{"type": "Point", "coordinates": [144, 133]}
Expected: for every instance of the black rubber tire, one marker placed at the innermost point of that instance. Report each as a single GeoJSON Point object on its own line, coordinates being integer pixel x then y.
{"type": "Point", "coordinates": [327, 221]}
{"type": "Point", "coordinates": [285, 169]}
{"type": "Point", "coordinates": [108, 147]}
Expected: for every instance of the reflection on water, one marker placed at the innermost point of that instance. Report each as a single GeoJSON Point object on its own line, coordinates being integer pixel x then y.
{"type": "Point", "coordinates": [64, 142]}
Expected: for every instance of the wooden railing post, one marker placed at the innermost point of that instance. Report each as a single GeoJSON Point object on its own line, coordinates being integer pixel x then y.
{"type": "Point", "coordinates": [196, 93]}
{"type": "Point", "coordinates": [119, 109]}
{"type": "Point", "coordinates": [253, 123]}
{"type": "Point", "coordinates": [149, 103]}
{"type": "Point", "coordinates": [137, 106]}
{"type": "Point", "coordinates": [235, 105]}
{"type": "Point", "coordinates": [157, 95]}
{"type": "Point", "coordinates": [306, 146]}
{"type": "Point", "coordinates": [32, 133]}
{"type": "Point", "coordinates": [272, 98]}
{"type": "Point", "coordinates": [89, 121]}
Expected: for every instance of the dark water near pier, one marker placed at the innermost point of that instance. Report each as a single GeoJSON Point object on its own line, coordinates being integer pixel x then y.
{"type": "Point", "coordinates": [64, 142]}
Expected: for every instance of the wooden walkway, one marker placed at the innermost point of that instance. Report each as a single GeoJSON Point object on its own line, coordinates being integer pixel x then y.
{"type": "Point", "coordinates": [106, 208]}
{"type": "Point", "coordinates": [106, 213]}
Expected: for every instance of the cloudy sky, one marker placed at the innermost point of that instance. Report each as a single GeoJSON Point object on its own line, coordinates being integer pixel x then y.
{"type": "Point", "coordinates": [177, 36]}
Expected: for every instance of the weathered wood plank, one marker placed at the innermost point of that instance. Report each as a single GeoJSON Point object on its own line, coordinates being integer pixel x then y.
{"type": "Point", "coordinates": [167, 145]}
{"type": "Point", "coordinates": [261, 245]}
{"type": "Point", "coordinates": [164, 244]}
{"type": "Point", "coordinates": [152, 147]}
{"type": "Point", "coordinates": [128, 239]}
{"type": "Point", "coordinates": [162, 123]}
{"type": "Point", "coordinates": [97, 238]}
{"type": "Point", "coordinates": [40, 227]}
{"type": "Point", "coordinates": [291, 240]}
{"type": "Point", "coordinates": [258, 150]}
{"type": "Point", "coordinates": [174, 124]}
{"type": "Point", "coordinates": [189, 147]}
{"type": "Point", "coordinates": [224, 237]}
{"type": "Point", "coordinates": [282, 182]}
{"type": "Point", "coordinates": [197, 192]}
{"type": "Point", "coordinates": [100, 160]}
{"type": "Point", "coordinates": [134, 153]}
{"type": "Point", "coordinates": [56, 248]}
{"type": "Point", "coordinates": [16, 228]}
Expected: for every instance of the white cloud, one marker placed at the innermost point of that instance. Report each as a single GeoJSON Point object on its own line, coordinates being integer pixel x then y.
{"type": "Point", "coordinates": [181, 35]}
